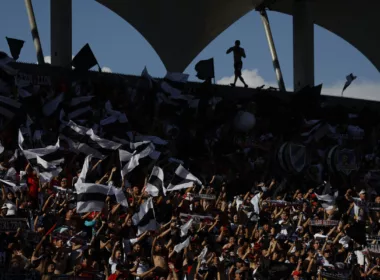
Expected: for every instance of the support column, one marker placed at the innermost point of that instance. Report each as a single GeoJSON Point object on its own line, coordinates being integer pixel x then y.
{"type": "Point", "coordinates": [34, 30]}
{"type": "Point", "coordinates": [303, 44]}
{"type": "Point", "coordinates": [61, 32]}
{"type": "Point", "coordinates": [272, 49]}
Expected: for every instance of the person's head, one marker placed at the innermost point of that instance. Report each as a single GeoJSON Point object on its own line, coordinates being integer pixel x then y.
{"type": "Point", "coordinates": [316, 245]}
{"type": "Point", "coordinates": [51, 268]}
{"type": "Point", "coordinates": [237, 43]}
{"type": "Point", "coordinates": [377, 199]}
{"type": "Point", "coordinates": [10, 195]}
{"type": "Point", "coordinates": [136, 190]}
{"type": "Point", "coordinates": [69, 214]}
{"type": "Point", "coordinates": [362, 194]}
{"type": "Point", "coordinates": [158, 248]}
{"type": "Point", "coordinates": [118, 254]}
{"type": "Point", "coordinates": [266, 227]}
{"type": "Point", "coordinates": [136, 248]}
{"type": "Point", "coordinates": [129, 222]}
{"type": "Point", "coordinates": [4, 210]}
{"type": "Point", "coordinates": [64, 183]}
{"type": "Point", "coordinates": [236, 219]}
{"type": "Point", "coordinates": [284, 216]}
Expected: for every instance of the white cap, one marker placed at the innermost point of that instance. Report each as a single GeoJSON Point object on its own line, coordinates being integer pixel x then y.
{"type": "Point", "coordinates": [362, 192]}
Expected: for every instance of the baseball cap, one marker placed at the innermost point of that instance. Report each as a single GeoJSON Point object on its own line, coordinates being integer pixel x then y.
{"type": "Point", "coordinates": [362, 192]}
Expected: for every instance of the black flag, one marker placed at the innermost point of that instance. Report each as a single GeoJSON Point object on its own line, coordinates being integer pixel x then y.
{"type": "Point", "coordinates": [205, 69]}
{"type": "Point", "coordinates": [15, 47]}
{"type": "Point", "coordinates": [349, 79]}
{"type": "Point", "coordinates": [85, 59]}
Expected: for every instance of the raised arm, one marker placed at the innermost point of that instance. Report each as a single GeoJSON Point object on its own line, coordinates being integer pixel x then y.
{"type": "Point", "coordinates": [229, 50]}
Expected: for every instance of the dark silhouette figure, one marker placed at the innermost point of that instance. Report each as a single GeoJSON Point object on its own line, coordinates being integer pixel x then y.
{"type": "Point", "coordinates": [239, 53]}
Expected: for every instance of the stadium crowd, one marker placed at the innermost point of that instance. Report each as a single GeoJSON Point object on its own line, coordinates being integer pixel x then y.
{"type": "Point", "coordinates": [208, 197]}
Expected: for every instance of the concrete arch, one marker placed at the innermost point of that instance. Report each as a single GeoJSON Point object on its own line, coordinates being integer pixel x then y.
{"type": "Point", "coordinates": [180, 30]}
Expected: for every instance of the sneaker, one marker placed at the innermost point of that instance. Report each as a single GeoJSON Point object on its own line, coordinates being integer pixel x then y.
{"type": "Point", "coordinates": [232, 85]}
{"type": "Point", "coordinates": [246, 86]}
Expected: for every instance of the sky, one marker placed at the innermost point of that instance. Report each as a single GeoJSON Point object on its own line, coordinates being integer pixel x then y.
{"type": "Point", "coordinates": [125, 51]}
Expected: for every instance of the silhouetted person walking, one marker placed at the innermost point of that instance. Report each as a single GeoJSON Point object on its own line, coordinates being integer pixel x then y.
{"type": "Point", "coordinates": [238, 63]}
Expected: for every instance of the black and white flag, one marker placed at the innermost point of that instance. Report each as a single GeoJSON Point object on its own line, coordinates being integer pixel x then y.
{"type": "Point", "coordinates": [349, 79]}
{"type": "Point", "coordinates": [31, 154]}
{"type": "Point", "coordinates": [84, 140]}
{"type": "Point", "coordinates": [174, 84]}
{"type": "Point", "coordinates": [145, 219]}
{"type": "Point", "coordinates": [91, 196]}
{"type": "Point", "coordinates": [79, 108]}
{"type": "Point", "coordinates": [113, 115]}
{"type": "Point", "coordinates": [314, 130]}
{"type": "Point", "coordinates": [182, 179]}
{"type": "Point", "coordinates": [47, 170]}
{"type": "Point", "coordinates": [155, 186]}
{"type": "Point", "coordinates": [53, 105]}
{"type": "Point", "coordinates": [130, 155]}
{"type": "Point", "coordinates": [9, 107]}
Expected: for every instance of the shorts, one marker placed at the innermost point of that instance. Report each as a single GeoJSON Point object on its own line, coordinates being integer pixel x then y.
{"type": "Point", "coordinates": [238, 66]}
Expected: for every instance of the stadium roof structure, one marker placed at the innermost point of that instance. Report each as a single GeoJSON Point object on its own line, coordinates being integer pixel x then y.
{"type": "Point", "coordinates": [179, 30]}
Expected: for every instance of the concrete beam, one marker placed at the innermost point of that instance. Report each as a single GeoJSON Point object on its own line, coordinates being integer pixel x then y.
{"type": "Point", "coordinates": [61, 32]}
{"type": "Point", "coordinates": [303, 44]}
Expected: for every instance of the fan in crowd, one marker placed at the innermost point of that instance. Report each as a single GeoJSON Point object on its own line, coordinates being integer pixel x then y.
{"type": "Point", "coordinates": [88, 191]}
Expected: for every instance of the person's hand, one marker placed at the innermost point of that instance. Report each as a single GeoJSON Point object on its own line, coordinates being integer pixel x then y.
{"type": "Point", "coordinates": [117, 243]}
{"type": "Point", "coordinates": [114, 169]}
{"type": "Point", "coordinates": [310, 191]}
{"type": "Point", "coordinates": [103, 223]}
{"type": "Point", "coordinates": [108, 198]}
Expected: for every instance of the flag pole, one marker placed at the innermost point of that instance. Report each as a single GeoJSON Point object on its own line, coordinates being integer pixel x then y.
{"type": "Point", "coordinates": [34, 30]}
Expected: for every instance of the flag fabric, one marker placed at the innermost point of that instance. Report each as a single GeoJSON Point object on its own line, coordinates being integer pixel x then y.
{"type": "Point", "coordinates": [5, 66]}
{"type": "Point", "coordinates": [313, 130]}
{"type": "Point", "coordinates": [130, 155]}
{"type": "Point", "coordinates": [47, 170]}
{"type": "Point", "coordinates": [15, 47]}
{"type": "Point", "coordinates": [327, 200]}
{"type": "Point", "coordinates": [185, 227]}
{"type": "Point", "coordinates": [9, 107]}
{"type": "Point", "coordinates": [203, 254]}
{"type": "Point", "coordinates": [91, 197]}
{"type": "Point", "coordinates": [155, 186]}
{"type": "Point", "coordinates": [205, 69]}
{"type": "Point", "coordinates": [53, 105]}
{"type": "Point", "coordinates": [174, 84]}
{"type": "Point", "coordinates": [84, 140]}
{"type": "Point", "coordinates": [10, 185]}
{"type": "Point", "coordinates": [179, 247]}
{"type": "Point", "coordinates": [182, 179]}
{"type": "Point", "coordinates": [255, 202]}
{"type": "Point", "coordinates": [39, 152]}
{"type": "Point", "coordinates": [85, 59]}
{"type": "Point", "coordinates": [349, 79]}
{"type": "Point", "coordinates": [145, 219]}
{"type": "Point", "coordinates": [79, 107]}
{"type": "Point", "coordinates": [113, 115]}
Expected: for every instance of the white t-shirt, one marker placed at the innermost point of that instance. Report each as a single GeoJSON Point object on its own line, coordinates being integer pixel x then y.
{"type": "Point", "coordinates": [113, 265]}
